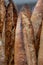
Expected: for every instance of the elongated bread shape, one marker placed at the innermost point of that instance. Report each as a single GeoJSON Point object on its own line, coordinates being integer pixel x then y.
{"type": "Point", "coordinates": [10, 27]}
{"type": "Point", "coordinates": [20, 56]}
{"type": "Point", "coordinates": [24, 40]}
{"type": "Point", "coordinates": [28, 36]}
{"type": "Point", "coordinates": [2, 22]}
{"type": "Point", "coordinates": [40, 54]}
{"type": "Point", "coordinates": [36, 19]}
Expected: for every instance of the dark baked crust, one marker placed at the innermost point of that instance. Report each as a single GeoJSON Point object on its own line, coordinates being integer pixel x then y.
{"type": "Point", "coordinates": [10, 27]}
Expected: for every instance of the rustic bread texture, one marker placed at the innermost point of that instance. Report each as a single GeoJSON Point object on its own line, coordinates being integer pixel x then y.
{"type": "Point", "coordinates": [2, 22]}
{"type": "Point", "coordinates": [20, 56]}
{"type": "Point", "coordinates": [10, 27]}
{"type": "Point", "coordinates": [2, 15]}
{"type": "Point", "coordinates": [28, 36]}
{"type": "Point", "coordinates": [40, 54]}
{"type": "Point", "coordinates": [36, 19]}
{"type": "Point", "coordinates": [24, 40]}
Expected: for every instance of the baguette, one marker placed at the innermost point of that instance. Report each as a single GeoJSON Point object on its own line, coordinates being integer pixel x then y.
{"type": "Point", "coordinates": [20, 56]}
{"type": "Point", "coordinates": [40, 54]}
{"type": "Point", "coordinates": [36, 19]}
{"type": "Point", "coordinates": [24, 44]}
{"type": "Point", "coordinates": [2, 22]}
{"type": "Point", "coordinates": [28, 36]}
{"type": "Point", "coordinates": [10, 27]}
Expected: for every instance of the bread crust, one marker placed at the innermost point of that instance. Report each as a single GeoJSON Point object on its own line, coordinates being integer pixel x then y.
{"type": "Point", "coordinates": [24, 40]}
{"type": "Point", "coordinates": [10, 26]}
{"type": "Point", "coordinates": [20, 56]}
{"type": "Point", "coordinates": [36, 19]}
{"type": "Point", "coordinates": [2, 23]}
{"type": "Point", "coordinates": [28, 36]}
{"type": "Point", "coordinates": [40, 54]}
